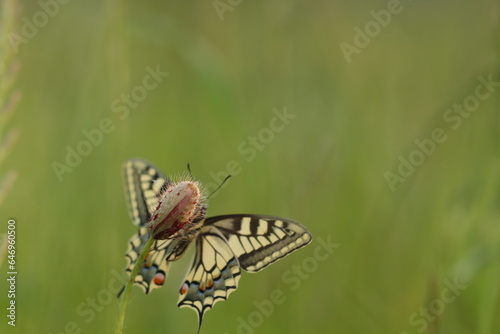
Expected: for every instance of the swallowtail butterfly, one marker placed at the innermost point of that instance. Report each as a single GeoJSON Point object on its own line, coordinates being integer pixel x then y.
{"type": "Point", "coordinates": [224, 244]}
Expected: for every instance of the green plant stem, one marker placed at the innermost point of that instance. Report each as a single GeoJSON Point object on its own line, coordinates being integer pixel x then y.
{"type": "Point", "coordinates": [130, 283]}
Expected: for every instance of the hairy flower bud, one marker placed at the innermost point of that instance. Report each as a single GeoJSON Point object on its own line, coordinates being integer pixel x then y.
{"type": "Point", "coordinates": [175, 210]}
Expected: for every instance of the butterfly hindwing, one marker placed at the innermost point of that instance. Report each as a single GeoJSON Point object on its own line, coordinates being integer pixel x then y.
{"type": "Point", "coordinates": [144, 184]}
{"type": "Point", "coordinates": [259, 240]}
{"type": "Point", "coordinates": [227, 244]}
{"type": "Point", "coordinates": [154, 271]}
{"type": "Point", "coordinates": [213, 276]}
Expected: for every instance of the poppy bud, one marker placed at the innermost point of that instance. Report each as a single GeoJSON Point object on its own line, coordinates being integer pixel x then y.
{"type": "Point", "coordinates": [174, 210]}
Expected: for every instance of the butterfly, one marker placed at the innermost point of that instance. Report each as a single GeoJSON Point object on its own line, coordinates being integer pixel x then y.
{"type": "Point", "coordinates": [225, 245]}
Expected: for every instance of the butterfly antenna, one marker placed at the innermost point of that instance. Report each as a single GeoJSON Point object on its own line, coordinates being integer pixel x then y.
{"type": "Point", "coordinates": [189, 171]}
{"type": "Point", "coordinates": [220, 185]}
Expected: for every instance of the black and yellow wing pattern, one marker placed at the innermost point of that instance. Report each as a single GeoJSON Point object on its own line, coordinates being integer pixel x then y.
{"type": "Point", "coordinates": [225, 245]}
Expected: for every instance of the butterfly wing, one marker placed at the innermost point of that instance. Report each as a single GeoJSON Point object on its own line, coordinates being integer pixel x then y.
{"type": "Point", "coordinates": [153, 272]}
{"type": "Point", "coordinates": [214, 275]}
{"type": "Point", "coordinates": [231, 242]}
{"type": "Point", "coordinates": [258, 240]}
{"type": "Point", "coordinates": [144, 184]}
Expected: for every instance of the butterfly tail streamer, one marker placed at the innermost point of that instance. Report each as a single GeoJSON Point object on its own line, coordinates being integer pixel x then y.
{"type": "Point", "coordinates": [120, 292]}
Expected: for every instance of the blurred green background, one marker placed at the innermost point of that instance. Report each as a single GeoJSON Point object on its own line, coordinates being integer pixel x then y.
{"type": "Point", "coordinates": [325, 169]}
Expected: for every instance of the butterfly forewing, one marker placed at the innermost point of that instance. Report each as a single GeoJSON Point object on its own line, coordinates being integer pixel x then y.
{"type": "Point", "coordinates": [227, 243]}
{"type": "Point", "coordinates": [144, 184]}
{"type": "Point", "coordinates": [258, 241]}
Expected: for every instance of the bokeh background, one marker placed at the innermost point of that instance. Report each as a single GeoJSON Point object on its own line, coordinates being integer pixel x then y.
{"type": "Point", "coordinates": [325, 169]}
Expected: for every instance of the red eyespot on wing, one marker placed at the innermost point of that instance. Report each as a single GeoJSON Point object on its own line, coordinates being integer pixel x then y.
{"type": "Point", "coordinates": [184, 289]}
{"type": "Point", "coordinates": [202, 287]}
{"type": "Point", "coordinates": [159, 279]}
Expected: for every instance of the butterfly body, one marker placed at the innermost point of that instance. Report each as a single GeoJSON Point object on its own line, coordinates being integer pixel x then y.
{"type": "Point", "coordinates": [224, 244]}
